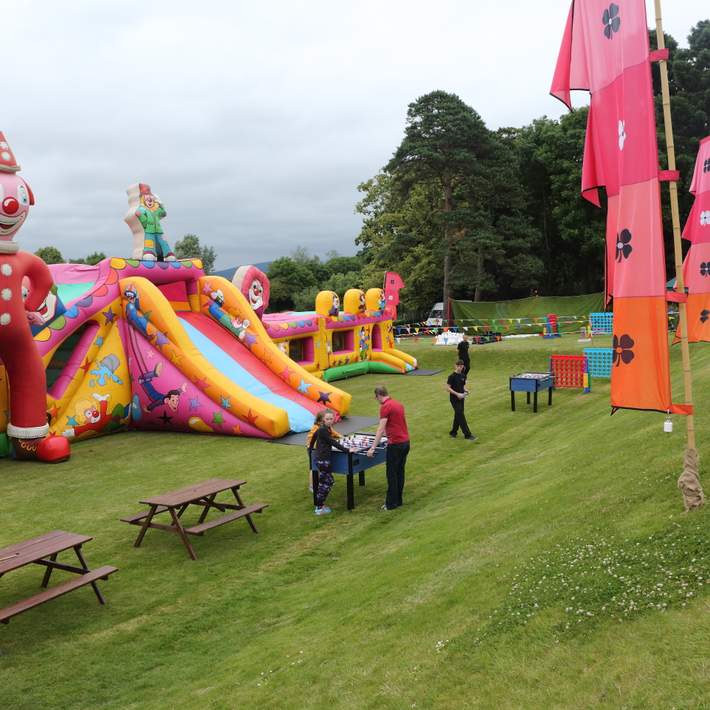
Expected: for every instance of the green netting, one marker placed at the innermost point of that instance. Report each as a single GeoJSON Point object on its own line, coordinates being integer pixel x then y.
{"type": "Point", "coordinates": [526, 315]}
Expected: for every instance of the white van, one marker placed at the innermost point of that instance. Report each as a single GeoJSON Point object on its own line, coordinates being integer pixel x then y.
{"type": "Point", "coordinates": [436, 316]}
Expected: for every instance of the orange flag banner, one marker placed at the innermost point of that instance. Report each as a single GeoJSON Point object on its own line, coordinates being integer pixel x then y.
{"type": "Point", "coordinates": [605, 51]}
{"type": "Point", "coordinates": [696, 266]}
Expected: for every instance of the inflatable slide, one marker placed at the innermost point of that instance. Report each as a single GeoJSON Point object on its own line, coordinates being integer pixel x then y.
{"type": "Point", "coordinates": [159, 345]}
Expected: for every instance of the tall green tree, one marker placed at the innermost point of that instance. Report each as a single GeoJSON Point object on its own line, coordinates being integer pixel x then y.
{"type": "Point", "coordinates": [443, 143]}
{"type": "Point", "coordinates": [50, 255]}
{"type": "Point", "coordinates": [189, 247]}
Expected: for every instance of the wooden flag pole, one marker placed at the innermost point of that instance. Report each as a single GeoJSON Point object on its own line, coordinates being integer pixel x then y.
{"type": "Point", "coordinates": [697, 494]}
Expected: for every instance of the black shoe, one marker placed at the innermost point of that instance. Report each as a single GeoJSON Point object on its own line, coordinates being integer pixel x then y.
{"type": "Point", "coordinates": [471, 438]}
{"type": "Point", "coordinates": [452, 435]}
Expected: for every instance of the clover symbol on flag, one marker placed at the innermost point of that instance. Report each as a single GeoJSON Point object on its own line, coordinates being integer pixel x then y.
{"type": "Point", "coordinates": [622, 349]}
{"type": "Point", "coordinates": [704, 315]}
{"type": "Point", "coordinates": [611, 20]}
{"type": "Point", "coordinates": [622, 134]}
{"type": "Point", "coordinates": [623, 245]}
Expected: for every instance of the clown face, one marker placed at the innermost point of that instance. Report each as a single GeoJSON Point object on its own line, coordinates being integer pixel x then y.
{"type": "Point", "coordinates": [256, 294]}
{"type": "Point", "coordinates": [15, 200]}
{"type": "Point", "coordinates": [48, 307]}
{"type": "Point", "coordinates": [92, 415]}
{"type": "Point", "coordinates": [150, 201]}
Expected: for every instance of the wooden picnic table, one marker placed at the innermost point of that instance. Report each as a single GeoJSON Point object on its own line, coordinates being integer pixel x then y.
{"type": "Point", "coordinates": [200, 494]}
{"type": "Point", "coordinates": [44, 550]}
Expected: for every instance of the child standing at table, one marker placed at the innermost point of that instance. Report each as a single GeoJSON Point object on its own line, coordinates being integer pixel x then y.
{"type": "Point", "coordinates": [309, 437]}
{"type": "Point", "coordinates": [323, 442]}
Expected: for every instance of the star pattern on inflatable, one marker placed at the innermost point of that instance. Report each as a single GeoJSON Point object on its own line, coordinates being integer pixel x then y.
{"type": "Point", "coordinates": [161, 339]}
{"type": "Point", "coordinates": [303, 387]}
{"type": "Point", "coordinates": [108, 315]}
{"type": "Point", "coordinates": [251, 417]}
{"type": "Point", "coordinates": [225, 403]}
{"type": "Point", "coordinates": [217, 418]}
{"type": "Point", "coordinates": [323, 397]}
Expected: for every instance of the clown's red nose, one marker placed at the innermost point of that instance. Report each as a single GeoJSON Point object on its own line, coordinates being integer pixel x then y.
{"type": "Point", "coordinates": [10, 205]}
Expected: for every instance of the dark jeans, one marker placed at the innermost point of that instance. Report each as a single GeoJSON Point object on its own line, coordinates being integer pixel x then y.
{"type": "Point", "coordinates": [395, 462]}
{"type": "Point", "coordinates": [459, 418]}
{"type": "Point", "coordinates": [466, 366]}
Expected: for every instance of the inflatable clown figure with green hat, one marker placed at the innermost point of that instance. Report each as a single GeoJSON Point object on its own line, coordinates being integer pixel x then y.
{"type": "Point", "coordinates": [27, 428]}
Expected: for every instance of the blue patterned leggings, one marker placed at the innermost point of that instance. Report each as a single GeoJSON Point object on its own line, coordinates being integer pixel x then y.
{"type": "Point", "coordinates": [325, 482]}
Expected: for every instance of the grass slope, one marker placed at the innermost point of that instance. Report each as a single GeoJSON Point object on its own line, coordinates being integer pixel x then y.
{"type": "Point", "coordinates": [549, 565]}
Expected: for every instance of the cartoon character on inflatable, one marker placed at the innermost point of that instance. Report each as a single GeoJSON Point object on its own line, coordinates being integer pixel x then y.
{"type": "Point", "coordinates": [27, 427]}
{"type": "Point", "coordinates": [145, 210]}
{"type": "Point", "coordinates": [254, 285]}
{"type": "Point", "coordinates": [328, 304]}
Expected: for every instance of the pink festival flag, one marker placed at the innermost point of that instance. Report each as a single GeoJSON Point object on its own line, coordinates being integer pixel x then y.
{"type": "Point", "coordinates": [696, 266]}
{"type": "Point", "coordinates": [605, 51]}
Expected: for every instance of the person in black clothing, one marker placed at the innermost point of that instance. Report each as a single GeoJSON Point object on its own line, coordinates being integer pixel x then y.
{"type": "Point", "coordinates": [323, 442]}
{"type": "Point", "coordinates": [456, 385]}
{"type": "Point", "coordinates": [462, 347]}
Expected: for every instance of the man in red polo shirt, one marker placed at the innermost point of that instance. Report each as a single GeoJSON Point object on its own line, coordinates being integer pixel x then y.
{"type": "Point", "coordinates": [394, 424]}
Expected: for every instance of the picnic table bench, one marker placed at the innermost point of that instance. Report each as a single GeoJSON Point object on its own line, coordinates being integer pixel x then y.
{"type": "Point", "coordinates": [202, 495]}
{"type": "Point", "coordinates": [43, 550]}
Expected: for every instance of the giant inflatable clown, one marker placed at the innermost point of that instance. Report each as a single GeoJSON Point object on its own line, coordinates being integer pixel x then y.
{"type": "Point", "coordinates": [27, 428]}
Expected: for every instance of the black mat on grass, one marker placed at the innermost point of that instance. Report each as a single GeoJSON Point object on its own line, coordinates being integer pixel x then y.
{"type": "Point", "coordinates": [349, 425]}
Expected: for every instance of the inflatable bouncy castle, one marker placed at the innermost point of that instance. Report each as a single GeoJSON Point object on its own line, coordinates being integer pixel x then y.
{"type": "Point", "coordinates": [152, 342]}
{"type": "Point", "coordinates": [334, 342]}
{"type": "Point", "coordinates": [146, 343]}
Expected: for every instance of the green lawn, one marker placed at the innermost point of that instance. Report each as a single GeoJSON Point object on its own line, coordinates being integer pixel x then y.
{"type": "Point", "coordinates": [549, 565]}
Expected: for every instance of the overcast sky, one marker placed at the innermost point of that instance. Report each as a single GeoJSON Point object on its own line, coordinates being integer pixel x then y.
{"type": "Point", "coordinates": [254, 122]}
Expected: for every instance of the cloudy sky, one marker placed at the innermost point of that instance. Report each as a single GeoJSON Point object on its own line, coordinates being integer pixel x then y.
{"type": "Point", "coordinates": [254, 122]}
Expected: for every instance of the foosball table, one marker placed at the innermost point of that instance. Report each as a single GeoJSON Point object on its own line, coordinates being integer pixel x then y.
{"type": "Point", "coordinates": [351, 462]}
{"type": "Point", "coordinates": [531, 382]}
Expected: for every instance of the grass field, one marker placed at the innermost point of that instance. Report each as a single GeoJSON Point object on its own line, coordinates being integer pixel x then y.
{"type": "Point", "coordinates": [548, 566]}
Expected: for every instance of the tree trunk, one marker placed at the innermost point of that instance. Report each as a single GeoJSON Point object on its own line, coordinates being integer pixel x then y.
{"type": "Point", "coordinates": [548, 250]}
{"type": "Point", "coordinates": [447, 247]}
{"type": "Point", "coordinates": [479, 276]}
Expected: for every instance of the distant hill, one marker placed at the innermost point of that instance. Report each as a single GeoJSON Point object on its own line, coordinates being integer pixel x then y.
{"type": "Point", "coordinates": [229, 273]}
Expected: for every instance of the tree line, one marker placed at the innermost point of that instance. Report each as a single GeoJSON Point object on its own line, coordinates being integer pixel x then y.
{"type": "Point", "coordinates": [486, 215]}
{"type": "Point", "coordinates": [478, 214]}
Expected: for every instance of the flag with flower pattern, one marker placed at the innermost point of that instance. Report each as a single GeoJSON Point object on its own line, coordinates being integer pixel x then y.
{"type": "Point", "coordinates": [696, 266]}
{"type": "Point", "coordinates": [605, 51]}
